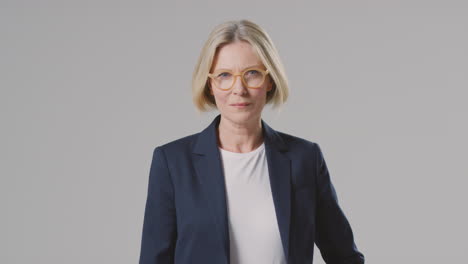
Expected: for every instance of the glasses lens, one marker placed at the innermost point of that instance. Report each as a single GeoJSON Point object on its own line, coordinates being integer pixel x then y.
{"type": "Point", "coordinates": [253, 78]}
{"type": "Point", "coordinates": [224, 80]}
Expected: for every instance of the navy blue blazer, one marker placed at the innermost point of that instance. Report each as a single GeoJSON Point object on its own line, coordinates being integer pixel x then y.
{"type": "Point", "coordinates": [185, 219]}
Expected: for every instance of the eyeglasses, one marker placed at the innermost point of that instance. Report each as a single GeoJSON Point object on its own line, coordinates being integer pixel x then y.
{"type": "Point", "coordinates": [252, 78]}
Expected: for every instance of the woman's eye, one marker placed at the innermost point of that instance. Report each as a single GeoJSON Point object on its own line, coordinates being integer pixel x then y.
{"type": "Point", "coordinates": [253, 72]}
{"type": "Point", "coordinates": [224, 74]}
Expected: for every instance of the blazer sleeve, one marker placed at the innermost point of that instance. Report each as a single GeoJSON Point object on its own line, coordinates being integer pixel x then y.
{"type": "Point", "coordinates": [334, 236]}
{"type": "Point", "coordinates": [159, 225]}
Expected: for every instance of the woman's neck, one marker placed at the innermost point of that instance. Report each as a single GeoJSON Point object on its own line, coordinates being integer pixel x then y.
{"type": "Point", "coordinates": [240, 138]}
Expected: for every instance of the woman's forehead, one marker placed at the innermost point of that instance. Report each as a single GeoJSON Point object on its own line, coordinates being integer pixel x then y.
{"type": "Point", "coordinates": [237, 63]}
{"type": "Point", "coordinates": [240, 68]}
{"type": "Point", "coordinates": [238, 55]}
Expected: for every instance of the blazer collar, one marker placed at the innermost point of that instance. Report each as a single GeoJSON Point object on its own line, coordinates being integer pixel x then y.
{"type": "Point", "coordinates": [209, 170]}
{"type": "Point", "coordinates": [207, 142]}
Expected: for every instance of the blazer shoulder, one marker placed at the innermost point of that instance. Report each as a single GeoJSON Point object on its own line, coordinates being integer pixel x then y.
{"type": "Point", "coordinates": [179, 145]}
{"type": "Point", "coordinates": [295, 142]}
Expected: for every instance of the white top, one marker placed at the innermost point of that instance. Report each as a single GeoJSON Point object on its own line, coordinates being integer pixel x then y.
{"type": "Point", "coordinates": [253, 228]}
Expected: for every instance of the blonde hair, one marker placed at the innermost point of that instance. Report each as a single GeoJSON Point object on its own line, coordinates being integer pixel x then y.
{"type": "Point", "coordinates": [229, 32]}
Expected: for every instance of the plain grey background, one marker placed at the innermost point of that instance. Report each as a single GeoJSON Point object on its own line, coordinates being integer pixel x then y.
{"type": "Point", "coordinates": [90, 88]}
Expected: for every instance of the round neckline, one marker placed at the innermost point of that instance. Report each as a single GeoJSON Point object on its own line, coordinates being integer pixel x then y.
{"type": "Point", "coordinates": [259, 148]}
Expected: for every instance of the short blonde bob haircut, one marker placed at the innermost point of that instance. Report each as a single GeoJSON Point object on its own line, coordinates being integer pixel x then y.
{"type": "Point", "coordinates": [229, 32]}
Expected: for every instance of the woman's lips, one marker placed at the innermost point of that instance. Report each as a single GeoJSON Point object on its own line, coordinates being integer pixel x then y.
{"type": "Point", "coordinates": [240, 105]}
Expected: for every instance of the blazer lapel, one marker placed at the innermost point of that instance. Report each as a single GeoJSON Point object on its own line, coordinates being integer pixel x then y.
{"type": "Point", "coordinates": [208, 167]}
{"type": "Point", "coordinates": [279, 168]}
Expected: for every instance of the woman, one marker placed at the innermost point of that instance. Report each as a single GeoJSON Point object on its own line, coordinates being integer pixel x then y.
{"type": "Point", "coordinates": [240, 191]}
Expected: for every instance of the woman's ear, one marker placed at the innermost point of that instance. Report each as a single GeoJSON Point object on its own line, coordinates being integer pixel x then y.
{"type": "Point", "coordinates": [210, 88]}
{"type": "Point", "coordinates": [208, 84]}
{"type": "Point", "coordinates": [270, 85]}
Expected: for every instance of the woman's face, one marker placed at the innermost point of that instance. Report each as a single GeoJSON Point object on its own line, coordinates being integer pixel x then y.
{"type": "Point", "coordinates": [238, 56]}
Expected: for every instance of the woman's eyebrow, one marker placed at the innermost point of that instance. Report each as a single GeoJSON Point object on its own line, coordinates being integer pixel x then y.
{"type": "Point", "coordinates": [256, 65]}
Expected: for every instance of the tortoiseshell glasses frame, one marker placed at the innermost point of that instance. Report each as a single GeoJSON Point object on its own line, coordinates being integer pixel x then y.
{"type": "Point", "coordinates": [241, 74]}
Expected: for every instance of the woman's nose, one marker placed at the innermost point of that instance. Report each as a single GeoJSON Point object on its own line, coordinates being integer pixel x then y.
{"type": "Point", "coordinates": [238, 86]}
